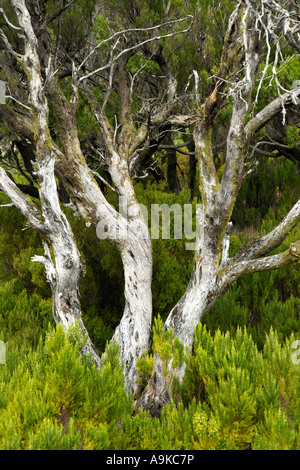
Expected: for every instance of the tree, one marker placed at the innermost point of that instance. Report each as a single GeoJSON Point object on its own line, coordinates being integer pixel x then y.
{"type": "Point", "coordinates": [125, 74]}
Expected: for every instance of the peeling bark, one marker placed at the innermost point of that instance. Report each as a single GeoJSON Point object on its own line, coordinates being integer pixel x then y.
{"type": "Point", "coordinates": [64, 272]}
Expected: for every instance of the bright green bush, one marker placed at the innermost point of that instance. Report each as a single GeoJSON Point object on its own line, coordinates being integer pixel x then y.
{"type": "Point", "coordinates": [55, 399]}
{"type": "Point", "coordinates": [23, 318]}
{"type": "Point", "coordinates": [25, 293]}
{"type": "Point", "coordinates": [243, 389]}
{"type": "Point", "coordinates": [232, 397]}
{"type": "Point", "coordinates": [231, 394]}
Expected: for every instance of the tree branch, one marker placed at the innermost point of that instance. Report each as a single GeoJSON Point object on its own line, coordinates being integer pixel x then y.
{"type": "Point", "coordinates": [263, 245]}
{"type": "Point", "coordinates": [23, 203]}
{"type": "Point", "coordinates": [8, 22]}
{"type": "Point", "coordinates": [132, 48]}
{"type": "Point", "coordinates": [47, 262]}
{"type": "Point", "coordinates": [269, 111]}
{"type": "Point", "coordinates": [8, 45]}
{"type": "Point", "coordinates": [53, 16]}
{"type": "Point", "coordinates": [131, 30]}
{"type": "Point", "coordinates": [229, 274]}
{"type": "Point", "coordinates": [178, 148]}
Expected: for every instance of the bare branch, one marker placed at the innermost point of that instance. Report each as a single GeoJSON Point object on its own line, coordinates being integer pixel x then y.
{"type": "Point", "coordinates": [19, 102]}
{"type": "Point", "coordinates": [110, 78]}
{"type": "Point", "coordinates": [132, 48]}
{"type": "Point", "coordinates": [96, 174]}
{"type": "Point", "coordinates": [274, 21]}
{"type": "Point", "coordinates": [8, 22]}
{"type": "Point", "coordinates": [177, 148]}
{"type": "Point", "coordinates": [183, 120]}
{"type": "Point", "coordinates": [22, 202]}
{"type": "Point", "coordinates": [226, 244]}
{"type": "Point", "coordinates": [53, 16]}
{"type": "Point", "coordinates": [196, 76]}
{"type": "Point", "coordinates": [8, 45]}
{"type": "Point", "coordinates": [130, 30]}
{"type": "Point", "coordinates": [47, 262]}
{"type": "Point", "coordinates": [139, 71]}
{"type": "Point", "coordinates": [261, 246]}
{"type": "Point", "coordinates": [233, 272]}
{"type": "Point", "coordinates": [269, 111]}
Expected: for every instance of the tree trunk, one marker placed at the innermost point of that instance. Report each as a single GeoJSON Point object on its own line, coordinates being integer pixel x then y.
{"type": "Point", "coordinates": [64, 272]}
{"type": "Point", "coordinates": [198, 298]}
{"type": "Point", "coordinates": [133, 332]}
{"type": "Point", "coordinates": [126, 229]}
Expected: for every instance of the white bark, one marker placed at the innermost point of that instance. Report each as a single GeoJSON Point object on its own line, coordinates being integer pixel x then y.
{"type": "Point", "coordinates": [133, 332]}
{"type": "Point", "coordinates": [263, 245]}
{"type": "Point", "coordinates": [128, 231]}
{"type": "Point", "coordinates": [210, 280]}
{"type": "Point", "coordinates": [64, 272]}
{"type": "Point", "coordinates": [22, 202]}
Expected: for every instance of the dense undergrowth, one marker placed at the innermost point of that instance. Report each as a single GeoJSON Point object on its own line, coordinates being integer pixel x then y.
{"type": "Point", "coordinates": [233, 397]}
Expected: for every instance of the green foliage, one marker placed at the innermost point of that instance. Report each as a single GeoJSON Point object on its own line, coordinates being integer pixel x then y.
{"type": "Point", "coordinates": [50, 435]}
{"type": "Point", "coordinates": [233, 396]}
{"type": "Point", "coordinates": [170, 352]}
{"type": "Point", "coordinates": [52, 398]}
{"type": "Point", "coordinates": [17, 245]}
{"type": "Point", "coordinates": [75, 23]}
{"type": "Point", "coordinates": [26, 303]}
{"type": "Point", "coordinates": [242, 390]}
{"type": "Point", "coordinates": [292, 138]}
{"type": "Point", "coordinates": [23, 318]}
{"type": "Point", "coordinates": [167, 348]}
{"type": "Point", "coordinates": [287, 72]}
{"type": "Point", "coordinates": [276, 433]}
{"type": "Point", "coordinates": [102, 308]}
{"type": "Point", "coordinates": [269, 299]}
{"type": "Point", "coordinates": [274, 185]}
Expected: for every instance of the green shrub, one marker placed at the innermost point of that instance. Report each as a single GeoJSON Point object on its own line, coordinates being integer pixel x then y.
{"type": "Point", "coordinates": [53, 398]}
{"type": "Point", "coordinates": [242, 386]}
{"type": "Point", "coordinates": [233, 396]}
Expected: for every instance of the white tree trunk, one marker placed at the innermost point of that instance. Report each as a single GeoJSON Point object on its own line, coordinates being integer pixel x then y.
{"type": "Point", "coordinates": [133, 332]}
